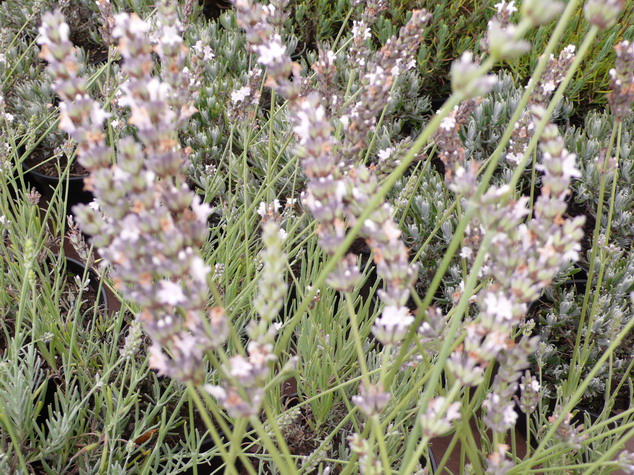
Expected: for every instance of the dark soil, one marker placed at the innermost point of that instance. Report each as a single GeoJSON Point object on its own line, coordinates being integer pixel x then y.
{"type": "Point", "coordinates": [50, 168]}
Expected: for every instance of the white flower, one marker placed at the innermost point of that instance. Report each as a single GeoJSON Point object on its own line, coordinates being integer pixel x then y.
{"type": "Point", "coordinates": [262, 209]}
{"type": "Point", "coordinates": [360, 30]}
{"type": "Point", "coordinates": [135, 24]}
{"type": "Point", "coordinates": [509, 416]}
{"type": "Point", "coordinates": [97, 114]}
{"type": "Point", "coordinates": [170, 36]}
{"type": "Point", "coordinates": [305, 120]}
{"type": "Point", "coordinates": [202, 210]}
{"type": "Point", "coordinates": [171, 293]}
{"type": "Point", "coordinates": [130, 234]}
{"type": "Point", "coordinates": [240, 95]}
{"type": "Point", "coordinates": [439, 416]}
{"type": "Point", "coordinates": [373, 78]}
{"type": "Point", "coordinates": [63, 31]}
{"type": "Point", "coordinates": [65, 122]}
{"type": "Point", "coordinates": [514, 157]}
{"type": "Point", "coordinates": [204, 50]}
{"type": "Point", "coordinates": [240, 368]}
{"type": "Point", "coordinates": [466, 252]}
{"type": "Point", "coordinates": [199, 269]}
{"type": "Point", "coordinates": [548, 87]}
{"type": "Point", "coordinates": [216, 391]}
{"type": "Point", "coordinates": [568, 167]}
{"type": "Point", "coordinates": [448, 123]}
{"type": "Point", "coordinates": [392, 325]}
{"type": "Point", "coordinates": [271, 52]}
{"type": "Point", "coordinates": [385, 153]}
{"type": "Point", "coordinates": [8, 117]}
{"type": "Point", "coordinates": [499, 306]}
{"type": "Point", "coordinates": [509, 7]}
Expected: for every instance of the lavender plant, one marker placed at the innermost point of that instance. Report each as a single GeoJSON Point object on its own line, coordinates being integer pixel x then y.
{"type": "Point", "coordinates": [302, 348]}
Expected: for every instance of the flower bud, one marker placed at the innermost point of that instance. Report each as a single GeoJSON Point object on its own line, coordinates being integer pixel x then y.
{"type": "Point", "coordinates": [466, 78]}
{"type": "Point", "coordinates": [502, 41]}
{"type": "Point", "coordinates": [603, 13]}
{"type": "Point", "coordinates": [541, 12]}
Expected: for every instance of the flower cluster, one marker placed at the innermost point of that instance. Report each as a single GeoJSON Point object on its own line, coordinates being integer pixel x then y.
{"type": "Point", "coordinates": [148, 224]}
{"type": "Point", "coordinates": [438, 418]}
{"type": "Point", "coordinates": [376, 84]}
{"type": "Point", "coordinates": [333, 194]}
{"type": "Point", "coordinates": [326, 187]}
{"type": "Point", "coordinates": [522, 260]}
{"type": "Point", "coordinates": [503, 39]}
{"type": "Point", "coordinates": [451, 151]}
{"type": "Point", "coordinates": [107, 20]}
{"type": "Point", "coordinates": [530, 393]}
{"type": "Point", "coordinates": [369, 463]}
{"type": "Point", "coordinates": [541, 12]}
{"type": "Point", "coordinates": [525, 126]}
{"type": "Point", "coordinates": [358, 52]}
{"type": "Point", "coordinates": [603, 13]}
{"type": "Point", "coordinates": [390, 256]}
{"type": "Point", "coordinates": [243, 389]}
{"type": "Point", "coordinates": [567, 432]}
{"type": "Point", "coordinates": [621, 96]}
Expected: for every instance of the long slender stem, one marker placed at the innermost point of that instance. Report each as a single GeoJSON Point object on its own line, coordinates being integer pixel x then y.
{"type": "Point", "coordinates": [576, 396]}
{"type": "Point", "coordinates": [577, 354]}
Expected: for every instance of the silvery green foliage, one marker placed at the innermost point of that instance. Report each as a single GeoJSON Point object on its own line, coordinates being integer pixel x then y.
{"type": "Point", "coordinates": [13, 49]}
{"type": "Point", "coordinates": [27, 15]}
{"type": "Point", "coordinates": [19, 380]}
{"type": "Point", "coordinates": [421, 201]}
{"type": "Point", "coordinates": [61, 423]}
{"type": "Point", "coordinates": [224, 68]}
{"type": "Point", "coordinates": [589, 143]}
{"type": "Point", "coordinates": [31, 103]}
{"type": "Point", "coordinates": [228, 101]}
{"type": "Point", "coordinates": [558, 322]}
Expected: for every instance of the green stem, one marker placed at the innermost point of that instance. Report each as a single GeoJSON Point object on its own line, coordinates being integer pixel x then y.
{"type": "Point", "coordinates": [574, 375]}
{"type": "Point", "coordinates": [578, 394]}
{"type": "Point", "coordinates": [354, 329]}
{"type": "Point", "coordinates": [492, 162]}
{"type": "Point", "coordinates": [453, 328]}
{"type": "Point", "coordinates": [230, 467]}
{"type": "Point", "coordinates": [272, 449]}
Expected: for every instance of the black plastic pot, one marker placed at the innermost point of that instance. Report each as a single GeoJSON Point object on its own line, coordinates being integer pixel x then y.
{"type": "Point", "coordinates": [432, 461]}
{"type": "Point", "coordinates": [45, 184]}
{"type": "Point", "coordinates": [207, 468]}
